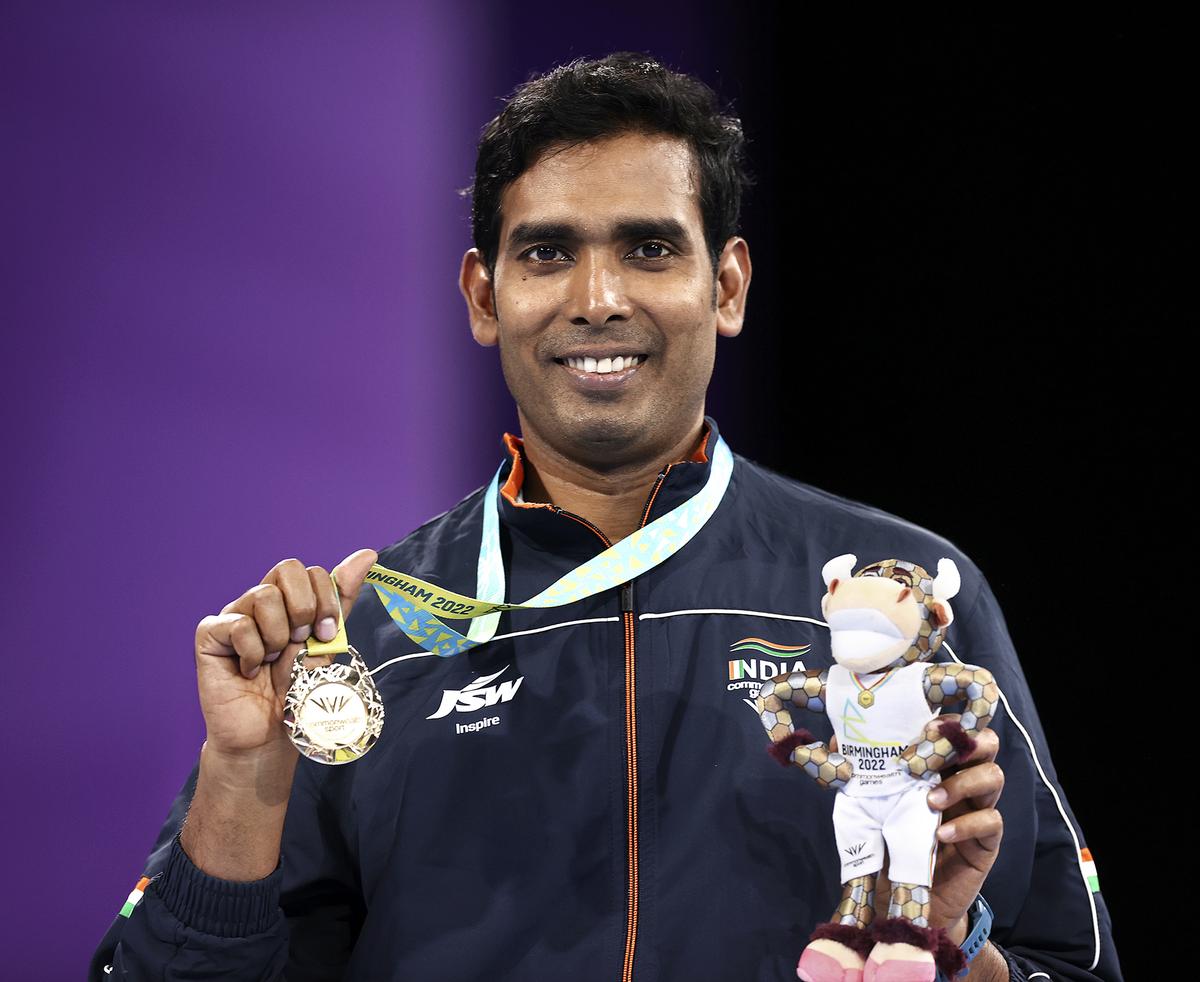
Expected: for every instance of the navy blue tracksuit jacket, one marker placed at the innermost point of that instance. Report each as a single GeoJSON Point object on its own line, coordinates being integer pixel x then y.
{"type": "Point", "coordinates": [601, 807]}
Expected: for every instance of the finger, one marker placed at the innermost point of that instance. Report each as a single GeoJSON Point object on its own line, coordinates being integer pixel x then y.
{"type": "Point", "coordinates": [296, 586]}
{"type": "Point", "coordinates": [326, 614]}
{"type": "Point", "coordinates": [270, 616]}
{"type": "Point", "coordinates": [987, 745]}
{"type": "Point", "coordinates": [977, 855]}
{"type": "Point", "coordinates": [212, 635]}
{"type": "Point", "coordinates": [246, 604]}
{"type": "Point", "coordinates": [982, 830]}
{"type": "Point", "coordinates": [289, 577]}
{"type": "Point", "coordinates": [248, 644]}
{"type": "Point", "coordinates": [233, 635]}
{"type": "Point", "coordinates": [350, 574]}
{"type": "Point", "coordinates": [281, 665]}
{"type": "Point", "coordinates": [978, 785]}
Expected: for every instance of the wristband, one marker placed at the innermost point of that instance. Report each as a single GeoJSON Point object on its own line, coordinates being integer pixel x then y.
{"type": "Point", "coordinates": [979, 927]}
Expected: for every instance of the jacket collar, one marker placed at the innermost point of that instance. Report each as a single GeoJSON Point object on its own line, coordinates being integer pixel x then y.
{"type": "Point", "coordinates": [548, 528]}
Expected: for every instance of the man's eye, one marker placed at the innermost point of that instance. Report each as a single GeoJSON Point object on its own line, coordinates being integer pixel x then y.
{"type": "Point", "coordinates": [546, 254]}
{"type": "Point", "coordinates": [651, 250]}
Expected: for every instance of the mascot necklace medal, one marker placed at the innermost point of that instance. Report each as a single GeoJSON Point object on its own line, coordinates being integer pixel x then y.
{"type": "Point", "coordinates": [866, 698]}
{"type": "Point", "coordinates": [334, 713]}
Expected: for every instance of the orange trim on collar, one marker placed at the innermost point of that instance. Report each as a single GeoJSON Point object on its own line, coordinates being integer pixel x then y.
{"type": "Point", "coordinates": [516, 477]}
{"type": "Point", "coordinates": [700, 456]}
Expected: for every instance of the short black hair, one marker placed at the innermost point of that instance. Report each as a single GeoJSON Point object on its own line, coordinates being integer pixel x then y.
{"type": "Point", "coordinates": [589, 99]}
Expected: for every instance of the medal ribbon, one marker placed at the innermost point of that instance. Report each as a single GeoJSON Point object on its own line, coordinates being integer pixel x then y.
{"type": "Point", "coordinates": [411, 601]}
{"type": "Point", "coordinates": [874, 685]}
{"type": "Point", "coordinates": [339, 644]}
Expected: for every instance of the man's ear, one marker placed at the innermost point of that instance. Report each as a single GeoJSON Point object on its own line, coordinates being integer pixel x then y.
{"type": "Point", "coordinates": [733, 283]}
{"type": "Point", "coordinates": [475, 284]}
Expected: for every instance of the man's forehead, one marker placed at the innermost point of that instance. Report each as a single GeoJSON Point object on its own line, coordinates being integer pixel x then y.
{"type": "Point", "coordinates": [601, 187]}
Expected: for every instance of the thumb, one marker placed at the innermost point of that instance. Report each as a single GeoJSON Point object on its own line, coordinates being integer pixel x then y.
{"type": "Point", "coordinates": [350, 574]}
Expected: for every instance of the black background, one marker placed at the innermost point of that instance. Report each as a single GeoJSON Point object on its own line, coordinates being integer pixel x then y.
{"type": "Point", "coordinates": [962, 313]}
{"type": "Point", "coordinates": [959, 314]}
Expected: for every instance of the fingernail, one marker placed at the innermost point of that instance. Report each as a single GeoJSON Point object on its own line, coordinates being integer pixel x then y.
{"type": "Point", "coordinates": [253, 673]}
{"type": "Point", "coordinates": [937, 797]}
{"type": "Point", "coordinates": [272, 655]}
{"type": "Point", "coordinates": [326, 629]}
{"type": "Point", "coordinates": [301, 633]}
{"type": "Point", "coordinates": [945, 833]}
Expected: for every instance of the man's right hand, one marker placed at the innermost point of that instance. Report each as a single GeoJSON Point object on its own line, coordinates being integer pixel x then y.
{"type": "Point", "coordinates": [244, 654]}
{"type": "Point", "coordinates": [243, 667]}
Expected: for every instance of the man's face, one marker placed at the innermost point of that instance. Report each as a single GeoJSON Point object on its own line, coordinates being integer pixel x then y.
{"type": "Point", "coordinates": [604, 302]}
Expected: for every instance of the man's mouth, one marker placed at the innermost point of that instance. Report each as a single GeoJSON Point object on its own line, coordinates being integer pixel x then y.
{"type": "Point", "coordinates": [608, 365]}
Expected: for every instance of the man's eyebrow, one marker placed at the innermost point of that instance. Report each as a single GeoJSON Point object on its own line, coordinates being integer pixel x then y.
{"type": "Point", "coordinates": [651, 228]}
{"type": "Point", "coordinates": [527, 233]}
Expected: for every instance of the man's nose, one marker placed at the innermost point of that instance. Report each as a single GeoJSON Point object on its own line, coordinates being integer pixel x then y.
{"type": "Point", "coordinates": [597, 292]}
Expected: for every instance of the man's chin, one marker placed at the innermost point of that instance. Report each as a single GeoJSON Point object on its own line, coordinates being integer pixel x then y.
{"type": "Point", "coordinates": [604, 440]}
{"type": "Point", "coordinates": [612, 439]}
{"type": "Point", "coordinates": [603, 435]}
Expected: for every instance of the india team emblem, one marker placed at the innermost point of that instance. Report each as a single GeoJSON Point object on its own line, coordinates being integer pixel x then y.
{"type": "Point", "coordinates": [749, 670]}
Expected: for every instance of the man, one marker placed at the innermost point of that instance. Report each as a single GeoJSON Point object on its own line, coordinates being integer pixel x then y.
{"type": "Point", "coordinates": [586, 795]}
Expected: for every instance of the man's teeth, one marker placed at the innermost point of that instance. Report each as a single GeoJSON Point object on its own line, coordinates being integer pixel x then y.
{"type": "Point", "coordinates": [605, 365]}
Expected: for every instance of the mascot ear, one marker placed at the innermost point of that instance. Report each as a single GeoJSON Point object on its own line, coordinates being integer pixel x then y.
{"type": "Point", "coordinates": [947, 581]}
{"type": "Point", "coordinates": [839, 568]}
{"type": "Point", "coordinates": [943, 616]}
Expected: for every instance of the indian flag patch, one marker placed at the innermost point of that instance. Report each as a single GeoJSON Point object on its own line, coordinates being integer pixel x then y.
{"type": "Point", "coordinates": [135, 897]}
{"type": "Point", "coordinates": [1088, 865]}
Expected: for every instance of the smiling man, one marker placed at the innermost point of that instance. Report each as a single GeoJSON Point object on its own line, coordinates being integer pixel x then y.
{"type": "Point", "coordinates": [606, 304]}
{"type": "Point", "coordinates": [583, 792]}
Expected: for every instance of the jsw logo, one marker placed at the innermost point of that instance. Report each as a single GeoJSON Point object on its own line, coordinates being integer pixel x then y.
{"type": "Point", "coordinates": [477, 695]}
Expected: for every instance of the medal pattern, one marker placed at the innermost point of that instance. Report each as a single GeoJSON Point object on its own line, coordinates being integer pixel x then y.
{"type": "Point", "coordinates": [333, 714]}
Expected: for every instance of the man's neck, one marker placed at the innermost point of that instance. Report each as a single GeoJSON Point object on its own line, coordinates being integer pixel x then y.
{"type": "Point", "coordinates": [612, 500]}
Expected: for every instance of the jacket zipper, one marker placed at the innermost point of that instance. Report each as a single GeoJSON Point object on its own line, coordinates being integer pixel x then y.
{"type": "Point", "coordinates": [631, 777]}
{"type": "Point", "coordinates": [631, 758]}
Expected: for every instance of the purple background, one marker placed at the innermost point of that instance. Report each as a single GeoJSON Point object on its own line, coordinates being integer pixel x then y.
{"type": "Point", "coordinates": [234, 235]}
{"type": "Point", "coordinates": [234, 335]}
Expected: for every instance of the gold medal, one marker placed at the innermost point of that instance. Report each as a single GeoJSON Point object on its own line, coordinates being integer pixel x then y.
{"type": "Point", "coordinates": [333, 714]}
{"type": "Point", "coordinates": [866, 699]}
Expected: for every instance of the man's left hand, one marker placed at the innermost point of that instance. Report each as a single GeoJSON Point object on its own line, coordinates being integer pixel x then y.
{"type": "Point", "coordinates": [970, 833]}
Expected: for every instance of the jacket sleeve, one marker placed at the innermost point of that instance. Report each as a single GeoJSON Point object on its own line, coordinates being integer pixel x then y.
{"type": "Point", "coordinates": [296, 923]}
{"type": "Point", "coordinates": [1050, 919]}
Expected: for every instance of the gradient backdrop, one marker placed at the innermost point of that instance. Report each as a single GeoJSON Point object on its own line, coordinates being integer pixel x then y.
{"type": "Point", "coordinates": [234, 336]}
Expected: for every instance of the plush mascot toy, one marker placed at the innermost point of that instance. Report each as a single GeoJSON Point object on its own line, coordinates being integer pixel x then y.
{"type": "Point", "coordinates": [883, 697]}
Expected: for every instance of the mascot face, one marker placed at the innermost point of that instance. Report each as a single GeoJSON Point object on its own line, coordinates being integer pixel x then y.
{"type": "Point", "coordinates": [888, 614]}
